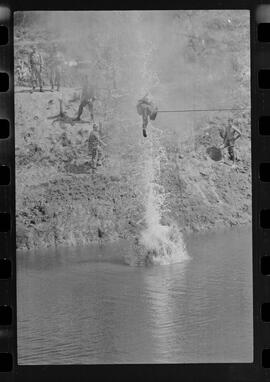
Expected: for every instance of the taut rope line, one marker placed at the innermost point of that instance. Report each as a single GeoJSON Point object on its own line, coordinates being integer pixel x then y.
{"type": "Point", "coordinates": [200, 110]}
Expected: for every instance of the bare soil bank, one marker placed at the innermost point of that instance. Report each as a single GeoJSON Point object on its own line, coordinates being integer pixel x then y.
{"type": "Point", "coordinates": [61, 202]}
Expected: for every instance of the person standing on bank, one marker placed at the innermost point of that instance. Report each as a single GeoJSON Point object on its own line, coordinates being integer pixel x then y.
{"type": "Point", "coordinates": [87, 99]}
{"type": "Point", "coordinates": [230, 135]}
{"type": "Point", "coordinates": [36, 68]}
{"type": "Point", "coordinates": [94, 146]}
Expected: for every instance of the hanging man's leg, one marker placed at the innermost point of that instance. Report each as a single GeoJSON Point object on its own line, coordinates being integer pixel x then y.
{"type": "Point", "coordinates": [145, 121]}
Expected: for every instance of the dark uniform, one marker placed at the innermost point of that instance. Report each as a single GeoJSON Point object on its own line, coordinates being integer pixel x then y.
{"type": "Point", "coordinates": [87, 99]}
{"type": "Point", "coordinates": [36, 67]}
{"type": "Point", "coordinates": [56, 62]}
{"type": "Point", "coordinates": [146, 109]}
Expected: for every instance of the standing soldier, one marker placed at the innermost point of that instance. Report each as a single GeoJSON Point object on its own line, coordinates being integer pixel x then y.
{"type": "Point", "coordinates": [230, 135]}
{"type": "Point", "coordinates": [94, 146]}
{"type": "Point", "coordinates": [36, 67]}
{"type": "Point", "coordinates": [87, 99]}
{"type": "Point", "coordinates": [56, 61]}
{"type": "Point", "coordinates": [146, 109]}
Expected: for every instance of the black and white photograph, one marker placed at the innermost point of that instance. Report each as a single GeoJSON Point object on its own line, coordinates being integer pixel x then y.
{"type": "Point", "coordinates": [133, 187]}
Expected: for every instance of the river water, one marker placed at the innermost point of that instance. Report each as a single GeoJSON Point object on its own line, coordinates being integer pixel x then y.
{"type": "Point", "coordinates": [84, 305]}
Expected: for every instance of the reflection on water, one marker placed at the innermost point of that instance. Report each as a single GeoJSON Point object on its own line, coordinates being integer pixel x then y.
{"type": "Point", "coordinates": [87, 306]}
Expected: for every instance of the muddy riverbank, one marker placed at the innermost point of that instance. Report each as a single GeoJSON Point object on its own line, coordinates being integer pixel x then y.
{"type": "Point", "coordinates": [60, 201]}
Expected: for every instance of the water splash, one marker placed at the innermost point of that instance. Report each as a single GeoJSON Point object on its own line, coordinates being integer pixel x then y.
{"type": "Point", "coordinates": [158, 243]}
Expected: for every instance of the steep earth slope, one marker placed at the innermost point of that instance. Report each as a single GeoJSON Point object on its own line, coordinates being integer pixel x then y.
{"type": "Point", "coordinates": [60, 201]}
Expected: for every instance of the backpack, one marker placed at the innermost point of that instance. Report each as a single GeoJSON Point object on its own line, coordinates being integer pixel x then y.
{"type": "Point", "coordinates": [139, 108]}
{"type": "Point", "coordinates": [154, 114]}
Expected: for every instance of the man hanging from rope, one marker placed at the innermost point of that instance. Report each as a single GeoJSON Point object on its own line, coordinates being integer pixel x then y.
{"type": "Point", "coordinates": [147, 109]}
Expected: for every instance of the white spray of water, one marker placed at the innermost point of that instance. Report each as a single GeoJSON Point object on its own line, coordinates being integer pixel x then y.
{"type": "Point", "coordinates": [158, 243]}
{"type": "Point", "coordinates": [164, 243]}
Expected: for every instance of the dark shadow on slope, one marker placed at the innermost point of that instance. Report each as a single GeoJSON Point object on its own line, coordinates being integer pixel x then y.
{"type": "Point", "coordinates": [214, 153]}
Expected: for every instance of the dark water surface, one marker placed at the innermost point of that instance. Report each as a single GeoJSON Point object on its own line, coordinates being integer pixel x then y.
{"type": "Point", "coordinates": [87, 306]}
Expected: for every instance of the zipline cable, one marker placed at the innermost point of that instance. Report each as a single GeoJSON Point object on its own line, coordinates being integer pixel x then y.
{"type": "Point", "coordinates": [199, 110]}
